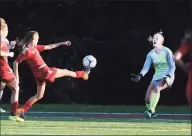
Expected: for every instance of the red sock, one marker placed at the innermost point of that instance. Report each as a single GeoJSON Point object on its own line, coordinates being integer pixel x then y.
{"type": "Point", "coordinates": [80, 74]}
{"type": "Point", "coordinates": [27, 106]}
{"type": "Point", "coordinates": [14, 107]}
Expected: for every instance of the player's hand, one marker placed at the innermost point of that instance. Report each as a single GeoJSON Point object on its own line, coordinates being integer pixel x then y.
{"type": "Point", "coordinates": [11, 54]}
{"type": "Point", "coordinates": [68, 43]}
{"type": "Point", "coordinates": [12, 44]}
{"type": "Point", "coordinates": [166, 77]}
{"type": "Point", "coordinates": [136, 77]}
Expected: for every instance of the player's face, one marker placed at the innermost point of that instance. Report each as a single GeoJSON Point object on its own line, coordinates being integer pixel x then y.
{"type": "Point", "coordinates": [5, 31]}
{"type": "Point", "coordinates": [36, 38]}
{"type": "Point", "coordinates": [157, 40]}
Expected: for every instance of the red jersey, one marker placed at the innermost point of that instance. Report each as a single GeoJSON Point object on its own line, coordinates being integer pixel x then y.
{"type": "Point", "coordinates": [184, 49]}
{"type": "Point", "coordinates": [3, 59]}
{"type": "Point", "coordinates": [6, 73]}
{"type": "Point", "coordinates": [33, 58]}
{"type": "Point", "coordinates": [40, 70]}
{"type": "Point", "coordinates": [187, 48]}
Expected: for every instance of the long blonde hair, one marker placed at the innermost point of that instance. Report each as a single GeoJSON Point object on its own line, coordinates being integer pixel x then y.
{"type": "Point", "coordinates": [2, 24]}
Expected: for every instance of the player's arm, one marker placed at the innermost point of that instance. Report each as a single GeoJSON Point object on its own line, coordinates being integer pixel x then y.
{"type": "Point", "coordinates": [11, 45]}
{"type": "Point", "coordinates": [144, 70]}
{"type": "Point", "coordinates": [171, 62]}
{"type": "Point", "coordinates": [23, 56]}
{"type": "Point", "coordinates": [178, 57]}
{"type": "Point", "coordinates": [52, 46]}
{"type": "Point", "coordinates": [4, 53]}
{"type": "Point", "coordinates": [146, 65]}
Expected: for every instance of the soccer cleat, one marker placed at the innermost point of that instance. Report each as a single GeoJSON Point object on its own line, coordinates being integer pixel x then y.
{"type": "Point", "coordinates": [87, 72]}
{"type": "Point", "coordinates": [21, 113]}
{"type": "Point", "coordinates": [2, 110]}
{"type": "Point", "coordinates": [153, 115]}
{"type": "Point", "coordinates": [148, 114]}
{"type": "Point", "coordinates": [85, 76]}
{"type": "Point", "coordinates": [16, 118]}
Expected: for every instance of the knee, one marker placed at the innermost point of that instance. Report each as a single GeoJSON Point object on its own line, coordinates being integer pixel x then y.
{"type": "Point", "coordinates": [16, 89]}
{"type": "Point", "coordinates": [39, 96]}
{"type": "Point", "coordinates": [157, 89]}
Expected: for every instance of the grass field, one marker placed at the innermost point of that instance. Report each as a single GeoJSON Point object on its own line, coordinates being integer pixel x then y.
{"type": "Point", "coordinates": [57, 123]}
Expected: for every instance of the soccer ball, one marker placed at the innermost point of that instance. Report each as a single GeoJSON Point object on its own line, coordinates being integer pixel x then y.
{"type": "Point", "coordinates": [89, 61]}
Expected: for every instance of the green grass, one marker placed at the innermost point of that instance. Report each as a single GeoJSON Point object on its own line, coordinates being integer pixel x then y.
{"type": "Point", "coordinates": [103, 108]}
{"type": "Point", "coordinates": [36, 125]}
{"type": "Point", "coordinates": [89, 126]}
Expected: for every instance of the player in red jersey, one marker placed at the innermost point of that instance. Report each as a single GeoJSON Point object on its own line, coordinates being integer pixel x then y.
{"type": "Point", "coordinates": [10, 45]}
{"type": "Point", "coordinates": [186, 47]}
{"type": "Point", "coordinates": [41, 72]}
{"type": "Point", "coordinates": [6, 74]}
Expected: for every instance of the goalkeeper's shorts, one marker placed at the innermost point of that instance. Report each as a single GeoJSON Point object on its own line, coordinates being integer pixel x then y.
{"type": "Point", "coordinates": [168, 80]}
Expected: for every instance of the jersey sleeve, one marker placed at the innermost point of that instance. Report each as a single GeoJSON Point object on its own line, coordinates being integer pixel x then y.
{"type": "Point", "coordinates": [40, 48]}
{"type": "Point", "coordinates": [23, 56]}
{"type": "Point", "coordinates": [184, 48]}
{"type": "Point", "coordinates": [171, 62]}
{"type": "Point", "coordinates": [146, 65]}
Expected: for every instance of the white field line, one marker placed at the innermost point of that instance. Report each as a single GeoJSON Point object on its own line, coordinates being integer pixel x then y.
{"type": "Point", "coordinates": [29, 133]}
{"type": "Point", "coordinates": [104, 113]}
{"type": "Point", "coordinates": [49, 117]}
{"type": "Point", "coordinates": [80, 118]}
{"type": "Point", "coordinates": [118, 129]}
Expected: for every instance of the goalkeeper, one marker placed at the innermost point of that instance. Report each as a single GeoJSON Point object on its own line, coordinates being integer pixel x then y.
{"type": "Point", "coordinates": [162, 59]}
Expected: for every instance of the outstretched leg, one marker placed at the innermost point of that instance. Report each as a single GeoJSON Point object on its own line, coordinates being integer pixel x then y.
{"type": "Point", "coordinates": [77, 74]}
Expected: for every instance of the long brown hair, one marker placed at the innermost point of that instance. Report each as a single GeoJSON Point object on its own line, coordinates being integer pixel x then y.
{"type": "Point", "coordinates": [29, 37]}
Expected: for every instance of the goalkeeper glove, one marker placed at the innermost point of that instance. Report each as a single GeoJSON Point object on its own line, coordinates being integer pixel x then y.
{"type": "Point", "coordinates": [167, 79]}
{"type": "Point", "coordinates": [136, 77]}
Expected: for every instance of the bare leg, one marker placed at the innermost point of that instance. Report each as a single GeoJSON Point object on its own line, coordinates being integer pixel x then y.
{"type": "Point", "coordinates": [13, 85]}
{"type": "Point", "coordinates": [39, 95]}
{"type": "Point", "coordinates": [2, 86]}
{"type": "Point", "coordinates": [64, 72]}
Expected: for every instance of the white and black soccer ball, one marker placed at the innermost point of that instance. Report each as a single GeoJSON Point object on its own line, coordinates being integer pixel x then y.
{"type": "Point", "coordinates": [89, 61]}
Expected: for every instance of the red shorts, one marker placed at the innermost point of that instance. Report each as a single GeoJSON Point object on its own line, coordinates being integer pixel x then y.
{"type": "Point", "coordinates": [45, 75]}
{"type": "Point", "coordinates": [189, 89]}
{"type": "Point", "coordinates": [6, 74]}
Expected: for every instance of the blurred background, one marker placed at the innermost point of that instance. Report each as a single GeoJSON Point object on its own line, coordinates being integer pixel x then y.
{"type": "Point", "coordinates": [113, 31]}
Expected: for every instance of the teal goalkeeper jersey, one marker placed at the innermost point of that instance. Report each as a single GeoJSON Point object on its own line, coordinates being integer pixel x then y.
{"type": "Point", "coordinates": [163, 63]}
